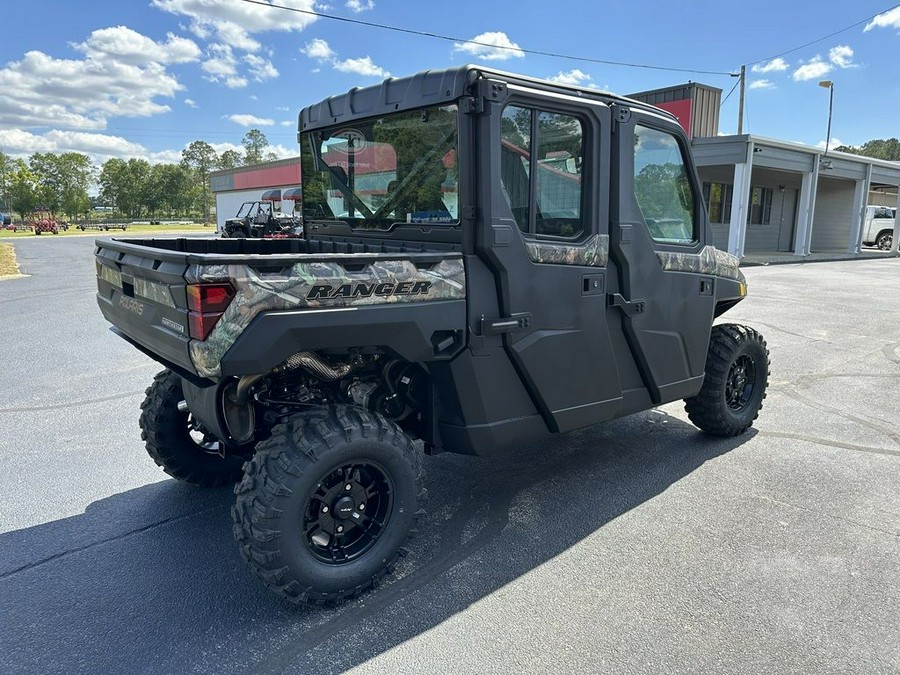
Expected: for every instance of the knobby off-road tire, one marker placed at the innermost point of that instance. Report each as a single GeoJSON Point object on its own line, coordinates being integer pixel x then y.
{"type": "Point", "coordinates": [298, 478]}
{"type": "Point", "coordinates": [737, 374]}
{"type": "Point", "coordinates": [167, 436]}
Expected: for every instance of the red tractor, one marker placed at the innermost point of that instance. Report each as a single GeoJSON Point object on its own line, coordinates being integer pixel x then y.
{"type": "Point", "coordinates": [42, 220]}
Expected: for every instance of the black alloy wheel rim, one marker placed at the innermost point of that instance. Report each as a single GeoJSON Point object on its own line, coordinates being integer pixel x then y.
{"type": "Point", "coordinates": [348, 512]}
{"type": "Point", "coordinates": [741, 382]}
{"type": "Point", "coordinates": [205, 441]}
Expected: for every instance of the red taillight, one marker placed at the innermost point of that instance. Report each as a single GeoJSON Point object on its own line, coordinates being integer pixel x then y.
{"type": "Point", "coordinates": [209, 297]}
{"type": "Point", "coordinates": [206, 303]}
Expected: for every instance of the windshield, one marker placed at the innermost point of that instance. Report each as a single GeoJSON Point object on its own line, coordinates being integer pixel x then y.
{"type": "Point", "coordinates": [374, 173]}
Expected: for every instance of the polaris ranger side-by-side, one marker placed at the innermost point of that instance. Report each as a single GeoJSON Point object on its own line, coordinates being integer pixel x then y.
{"type": "Point", "coordinates": [262, 219]}
{"type": "Point", "coordinates": [487, 260]}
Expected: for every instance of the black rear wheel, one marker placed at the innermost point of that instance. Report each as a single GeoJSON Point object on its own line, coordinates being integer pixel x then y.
{"type": "Point", "coordinates": [178, 443]}
{"type": "Point", "coordinates": [737, 374]}
{"type": "Point", "coordinates": [885, 240]}
{"type": "Point", "coordinates": [326, 504]}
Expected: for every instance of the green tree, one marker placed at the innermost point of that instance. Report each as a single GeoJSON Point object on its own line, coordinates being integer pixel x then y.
{"type": "Point", "coordinates": [200, 159]}
{"type": "Point", "coordinates": [22, 189]}
{"type": "Point", "coordinates": [230, 159]}
{"type": "Point", "coordinates": [255, 144]}
{"type": "Point", "coordinates": [63, 180]}
{"type": "Point", "coordinates": [7, 166]}
{"type": "Point", "coordinates": [125, 184]}
{"type": "Point", "coordinates": [169, 189]}
{"type": "Point", "coordinates": [887, 148]}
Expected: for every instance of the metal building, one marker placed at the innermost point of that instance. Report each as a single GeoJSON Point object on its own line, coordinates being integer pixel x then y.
{"type": "Point", "coordinates": [233, 187]}
{"type": "Point", "coordinates": [764, 195]}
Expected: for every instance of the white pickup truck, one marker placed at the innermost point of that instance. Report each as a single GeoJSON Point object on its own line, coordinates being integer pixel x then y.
{"type": "Point", "coordinates": [879, 227]}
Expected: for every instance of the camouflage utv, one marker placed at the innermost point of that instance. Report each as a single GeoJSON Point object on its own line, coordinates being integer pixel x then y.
{"type": "Point", "coordinates": [488, 260]}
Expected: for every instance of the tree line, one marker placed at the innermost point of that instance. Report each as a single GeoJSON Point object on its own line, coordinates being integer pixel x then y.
{"type": "Point", "coordinates": [70, 184]}
{"type": "Point", "coordinates": [879, 148]}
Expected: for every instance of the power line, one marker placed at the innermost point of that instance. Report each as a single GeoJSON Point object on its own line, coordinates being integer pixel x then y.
{"type": "Point", "coordinates": [448, 38]}
{"type": "Point", "coordinates": [729, 93]}
{"type": "Point", "coordinates": [825, 37]}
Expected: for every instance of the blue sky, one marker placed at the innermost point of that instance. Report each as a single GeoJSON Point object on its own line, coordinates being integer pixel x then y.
{"type": "Point", "coordinates": [145, 77]}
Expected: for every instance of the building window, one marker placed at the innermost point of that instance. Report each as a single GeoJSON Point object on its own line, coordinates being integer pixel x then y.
{"type": "Point", "coordinates": [718, 202]}
{"type": "Point", "coordinates": [662, 188]}
{"type": "Point", "coordinates": [543, 188]}
{"type": "Point", "coordinates": [760, 211]}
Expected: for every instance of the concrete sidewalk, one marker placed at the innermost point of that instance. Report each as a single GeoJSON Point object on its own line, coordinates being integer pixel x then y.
{"type": "Point", "coordinates": [784, 258]}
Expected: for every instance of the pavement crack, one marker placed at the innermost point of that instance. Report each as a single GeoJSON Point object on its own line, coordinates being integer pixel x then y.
{"type": "Point", "coordinates": [831, 444]}
{"type": "Point", "coordinates": [868, 423]}
{"type": "Point", "coordinates": [118, 537]}
{"type": "Point", "coordinates": [828, 515]}
{"type": "Point", "coordinates": [71, 404]}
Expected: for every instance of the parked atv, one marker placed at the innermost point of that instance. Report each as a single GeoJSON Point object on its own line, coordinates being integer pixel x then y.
{"type": "Point", "coordinates": [488, 260]}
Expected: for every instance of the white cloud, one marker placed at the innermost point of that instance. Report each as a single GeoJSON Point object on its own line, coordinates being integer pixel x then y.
{"type": "Point", "coordinates": [260, 68]}
{"type": "Point", "coordinates": [190, 103]}
{"type": "Point", "coordinates": [360, 66]}
{"type": "Point", "coordinates": [775, 65]}
{"type": "Point", "coordinates": [20, 141]}
{"type": "Point", "coordinates": [358, 6]}
{"type": "Point", "coordinates": [234, 22]}
{"type": "Point", "coordinates": [832, 144]}
{"type": "Point", "coordinates": [321, 51]}
{"type": "Point", "coordinates": [573, 77]}
{"type": "Point", "coordinates": [493, 46]}
{"type": "Point", "coordinates": [812, 69]}
{"type": "Point", "coordinates": [762, 84]}
{"type": "Point", "coordinates": [222, 66]}
{"type": "Point", "coordinates": [841, 56]}
{"type": "Point", "coordinates": [251, 120]}
{"type": "Point", "coordinates": [125, 45]}
{"type": "Point", "coordinates": [101, 147]}
{"type": "Point", "coordinates": [889, 19]}
{"type": "Point", "coordinates": [42, 91]}
{"type": "Point", "coordinates": [287, 123]}
{"type": "Point", "coordinates": [318, 49]}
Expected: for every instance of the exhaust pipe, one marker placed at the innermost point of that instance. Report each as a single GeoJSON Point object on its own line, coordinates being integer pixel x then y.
{"type": "Point", "coordinates": [308, 361]}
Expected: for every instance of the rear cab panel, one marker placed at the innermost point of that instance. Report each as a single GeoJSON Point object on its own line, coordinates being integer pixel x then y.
{"type": "Point", "coordinates": [142, 292]}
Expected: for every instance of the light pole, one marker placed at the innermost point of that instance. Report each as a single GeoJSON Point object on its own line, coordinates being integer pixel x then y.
{"type": "Point", "coordinates": [829, 85]}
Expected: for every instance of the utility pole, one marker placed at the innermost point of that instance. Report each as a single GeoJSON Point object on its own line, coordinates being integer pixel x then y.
{"type": "Point", "coordinates": [741, 103]}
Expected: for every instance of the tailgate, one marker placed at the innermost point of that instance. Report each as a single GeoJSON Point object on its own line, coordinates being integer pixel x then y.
{"type": "Point", "coordinates": [141, 291]}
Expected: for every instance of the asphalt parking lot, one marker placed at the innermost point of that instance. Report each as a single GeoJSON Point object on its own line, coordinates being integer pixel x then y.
{"type": "Point", "coordinates": [636, 546]}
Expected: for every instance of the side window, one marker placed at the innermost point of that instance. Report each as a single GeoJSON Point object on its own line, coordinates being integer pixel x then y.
{"type": "Point", "coordinates": [542, 155]}
{"type": "Point", "coordinates": [662, 187]}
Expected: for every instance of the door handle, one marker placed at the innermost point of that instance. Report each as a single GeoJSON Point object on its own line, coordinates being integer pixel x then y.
{"type": "Point", "coordinates": [630, 308]}
{"type": "Point", "coordinates": [506, 324]}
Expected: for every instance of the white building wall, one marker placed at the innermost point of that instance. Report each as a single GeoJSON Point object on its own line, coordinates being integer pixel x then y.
{"type": "Point", "coordinates": [833, 218]}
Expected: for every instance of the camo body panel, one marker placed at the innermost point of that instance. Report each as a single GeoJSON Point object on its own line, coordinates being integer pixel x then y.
{"type": "Point", "coordinates": [593, 252]}
{"type": "Point", "coordinates": [258, 292]}
{"type": "Point", "coordinates": [709, 260]}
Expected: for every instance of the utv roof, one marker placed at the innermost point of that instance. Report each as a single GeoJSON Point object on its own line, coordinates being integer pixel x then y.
{"type": "Point", "coordinates": [435, 87]}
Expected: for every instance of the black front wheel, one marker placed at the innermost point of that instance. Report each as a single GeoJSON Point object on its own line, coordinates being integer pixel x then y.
{"type": "Point", "coordinates": [737, 374]}
{"type": "Point", "coordinates": [327, 503]}
{"type": "Point", "coordinates": [178, 443]}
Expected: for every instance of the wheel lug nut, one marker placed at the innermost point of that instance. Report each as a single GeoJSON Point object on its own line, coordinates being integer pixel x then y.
{"type": "Point", "coordinates": [324, 509]}
{"type": "Point", "coordinates": [340, 528]}
{"type": "Point", "coordinates": [348, 487]}
{"type": "Point", "coordinates": [362, 507]}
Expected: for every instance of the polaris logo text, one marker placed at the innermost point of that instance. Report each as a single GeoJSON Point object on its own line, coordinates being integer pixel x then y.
{"type": "Point", "coordinates": [131, 305]}
{"type": "Point", "coordinates": [360, 290]}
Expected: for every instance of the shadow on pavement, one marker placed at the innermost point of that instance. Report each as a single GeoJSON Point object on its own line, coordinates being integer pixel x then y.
{"type": "Point", "coordinates": [150, 580]}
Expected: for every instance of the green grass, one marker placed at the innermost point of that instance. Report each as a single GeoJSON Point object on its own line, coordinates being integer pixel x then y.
{"type": "Point", "coordinates": [132, 229]}
{"type": "Point", "coordinates": [8, 266]}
